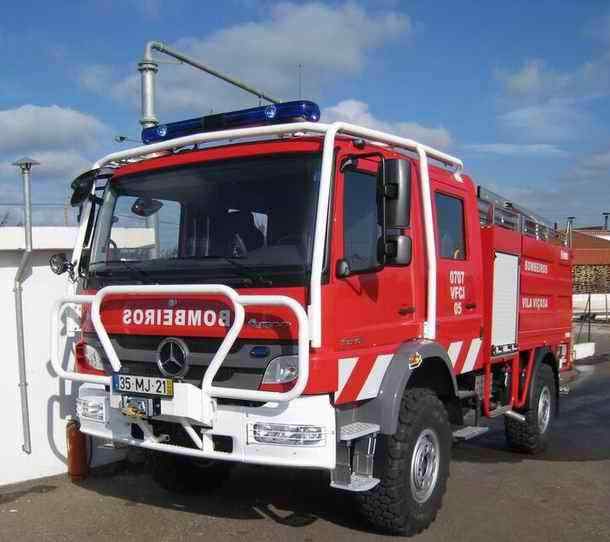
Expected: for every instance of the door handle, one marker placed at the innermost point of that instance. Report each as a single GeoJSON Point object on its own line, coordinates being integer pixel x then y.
{"type": "Point", "coordinates": [406, 310]}
{"type": "Point", "coordinates": [471, 306]}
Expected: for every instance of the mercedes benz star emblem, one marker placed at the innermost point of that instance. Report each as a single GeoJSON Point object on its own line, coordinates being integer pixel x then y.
{"type": "Point", "coordinates": [173, 357]}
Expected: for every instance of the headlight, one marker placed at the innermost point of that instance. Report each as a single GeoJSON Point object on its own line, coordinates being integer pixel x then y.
{"type": "Point", "coordinates": [282, 370]}
{"type": "Point", "coordinates": [88, 358]}
{"type": "Point", "coordinates": [93, 357]}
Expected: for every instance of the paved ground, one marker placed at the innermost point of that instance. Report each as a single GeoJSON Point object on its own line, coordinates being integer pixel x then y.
{"type": "Point", "coordinates": [493, 495]}
{"type": "Point", "coordinates": [600, 335]}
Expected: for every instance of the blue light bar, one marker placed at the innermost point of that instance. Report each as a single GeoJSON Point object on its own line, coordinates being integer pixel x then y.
{"type": "Point", "coordinates": [301, 110]}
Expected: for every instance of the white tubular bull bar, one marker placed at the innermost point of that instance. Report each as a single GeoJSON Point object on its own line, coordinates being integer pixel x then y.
{"type": "Point", "coordinates": [208, 390]}
{"type": "Point", "coordinates": [330, 132]}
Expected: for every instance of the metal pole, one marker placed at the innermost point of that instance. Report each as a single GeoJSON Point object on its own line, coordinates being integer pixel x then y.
{"type": "Point", "coordinates": [148, 68]}
{"type": "Point", "coordinates": [25, 164]}
{"type": "Point", "coordinates": [589, 320]}
{"type": "Point", "coordinates": [569, 229]}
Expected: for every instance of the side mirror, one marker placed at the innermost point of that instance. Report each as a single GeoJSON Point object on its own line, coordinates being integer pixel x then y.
{"type": "Point", "coordinates": [82, 186]}
{"type": "Point", "coordinates": [146, 207]}
{"type": "Point", "coordinates": [343, 268]}
{"type": "Point", "coordinates": [397, 192]}
{"type": "Point", "coordinates": [398, 250]}
{"type": "Point", "coordinates": [59, 264]}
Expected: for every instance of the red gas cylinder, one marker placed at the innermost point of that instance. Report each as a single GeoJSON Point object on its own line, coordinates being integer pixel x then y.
{"type": "Point", "coordinates": [78, 464]}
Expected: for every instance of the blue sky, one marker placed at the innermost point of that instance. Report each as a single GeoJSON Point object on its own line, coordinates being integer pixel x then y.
{"type": "Point", "coordinates": [519, 90]}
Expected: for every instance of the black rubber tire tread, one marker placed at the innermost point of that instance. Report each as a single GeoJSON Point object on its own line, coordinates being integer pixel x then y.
{"type": "Point", "coordinates": [389, 506]}
{"type": "Point", "coordinates": [182, 474]}
{"type": "Point", "coordinates": [526, 437]}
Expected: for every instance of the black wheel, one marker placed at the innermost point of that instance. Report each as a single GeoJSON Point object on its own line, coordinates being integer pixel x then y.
{"type": "Point", "coordinates": [413, 467]}
{"type": "Point", "coordinates": [532, 435]}
{"type": "Point", "coordinates": [188, 475]}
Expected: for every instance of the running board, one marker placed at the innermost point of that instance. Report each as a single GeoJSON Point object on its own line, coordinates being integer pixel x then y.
{"type": "Point", "coordinates": [356, 430]}
{"type": "Point", "coordinates": [357, 483]}
{"type": "Point", "coordinates": [469, 432]}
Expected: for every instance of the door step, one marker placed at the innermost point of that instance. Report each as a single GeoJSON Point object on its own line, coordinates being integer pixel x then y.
{"type": "Point", "coordinates": [508, 411]}
{"type": "Point", "coordinates": [112, 445]}
{"type": "Point", "coordinates": [469, 432]}
{"type": "Point", "coordinates": [356, 430]}
{"type": "Point", "coordinates": [356, 483]}
{"type": "Point", "coordinates": [499, 411]}
{"type": "Point", "coordinates": [466, 394]}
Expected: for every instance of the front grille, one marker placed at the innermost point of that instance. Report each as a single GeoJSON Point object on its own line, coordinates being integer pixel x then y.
{"type": "Point", "coordinates": [241, 370]}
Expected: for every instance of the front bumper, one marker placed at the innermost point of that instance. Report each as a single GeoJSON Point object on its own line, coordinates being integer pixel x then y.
{"type": "Point", "coordinates": [232, 421]}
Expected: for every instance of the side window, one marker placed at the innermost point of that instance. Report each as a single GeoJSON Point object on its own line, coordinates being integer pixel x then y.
{"type": "Point", "coordinates": [450, 220]}
{"type": "Point", "coordinates": [361, 220]}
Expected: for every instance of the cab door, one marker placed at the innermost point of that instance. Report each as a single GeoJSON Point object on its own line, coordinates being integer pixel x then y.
{"type": "Point", "coordinates": [374, 307]}
{"type": "Point", "coordinates": [459, 272]}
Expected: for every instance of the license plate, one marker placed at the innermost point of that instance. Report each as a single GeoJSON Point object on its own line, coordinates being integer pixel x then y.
{"type": "Point", "coordinates": [144, 385]}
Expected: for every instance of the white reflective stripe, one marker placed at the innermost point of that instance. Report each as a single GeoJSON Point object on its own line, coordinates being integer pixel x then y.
{"type": "Point", "coordinates": [373, 380]}
{"type": "Point", "coordinates": [454, 351]}
{"type": "Point", "coordinates": [473, 353]}
{"type": "Point", "coordinates": [346, 367]}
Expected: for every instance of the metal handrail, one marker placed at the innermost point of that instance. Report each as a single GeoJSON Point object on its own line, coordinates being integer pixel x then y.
{"type": "Point", "coordinates": [208, 389]}
{"type": "Point", "coordinates": [55, 333]}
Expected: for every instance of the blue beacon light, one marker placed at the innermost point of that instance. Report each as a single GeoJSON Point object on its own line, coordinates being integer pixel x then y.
{"type": "Point", "coordinates": [301, 110]}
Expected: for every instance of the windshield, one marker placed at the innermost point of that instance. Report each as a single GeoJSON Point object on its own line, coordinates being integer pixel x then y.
{"type": "Point", "coordinates": [249, 220]}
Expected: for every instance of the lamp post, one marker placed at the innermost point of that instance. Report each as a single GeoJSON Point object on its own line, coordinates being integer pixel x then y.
{"type": "Point", "coordinates": [25, 166]}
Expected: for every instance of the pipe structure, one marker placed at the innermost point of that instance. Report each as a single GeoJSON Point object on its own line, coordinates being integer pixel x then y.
{"type": "Point", "coordinates": [25, 165]}
{"type": "Point", "coordinates": [148, 68]}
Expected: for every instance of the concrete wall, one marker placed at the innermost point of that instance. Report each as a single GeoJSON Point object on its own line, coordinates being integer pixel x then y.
{"type": "Point", "coordinates": [50, 399]}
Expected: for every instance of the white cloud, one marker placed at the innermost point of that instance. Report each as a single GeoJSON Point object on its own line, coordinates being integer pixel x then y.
{"type": "Point", "coordinates": [65, 142]}
{"type": "Point", "coordinates": [331, 42]}
{"type": "Point", "coordinates": [535, 82]}
{"type": "Point", "coordinates": [514, 149]}
{"type": "Point", "coordinates": [545, 104]}
{"type": "Point", "coordinates": [48, 127]}
{"type": "Point", "coordinates": [554, 120]}
{"type": "Point", "coordinates": [580, 191]}
{"type": "Point", "coordinates": [358, 112]}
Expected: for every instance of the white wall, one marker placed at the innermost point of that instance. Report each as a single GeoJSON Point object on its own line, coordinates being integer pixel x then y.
{"type": "Point", "coordinates": [50, 399]}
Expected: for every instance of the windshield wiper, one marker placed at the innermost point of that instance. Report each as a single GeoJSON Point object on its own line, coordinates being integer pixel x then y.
{"type": "Point", "coordinates": [129, 266]}
{"type": "Point", "coordinates": [241, 269]}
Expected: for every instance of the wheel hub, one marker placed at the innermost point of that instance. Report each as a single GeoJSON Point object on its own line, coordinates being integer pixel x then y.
{"type": "Point", "coordinates": [424, 465]}
{"type": "Point", "coordinates": [544, 409]}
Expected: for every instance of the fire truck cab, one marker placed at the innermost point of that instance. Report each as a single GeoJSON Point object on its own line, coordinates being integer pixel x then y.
{"type": "Point", "coordinates": [259, 287]}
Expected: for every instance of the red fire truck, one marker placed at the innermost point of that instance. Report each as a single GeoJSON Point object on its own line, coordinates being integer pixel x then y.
{"type": "Point", "coordinates": [260, 287]}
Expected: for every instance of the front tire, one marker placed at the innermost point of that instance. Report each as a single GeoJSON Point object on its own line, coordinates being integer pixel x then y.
{"type": "Point", "coordinates": [414, 467]}
{"type": "Point", "coordinates": [187, 475]}
{"type": "Point", "coordinates": [532, 436]}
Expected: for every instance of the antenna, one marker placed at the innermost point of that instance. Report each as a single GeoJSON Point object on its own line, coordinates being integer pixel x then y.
{"type": "Point", "coordinates": [300, 66]}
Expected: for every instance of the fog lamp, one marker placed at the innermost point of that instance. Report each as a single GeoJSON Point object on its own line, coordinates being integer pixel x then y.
{"type": "Point", "coordinates": [91, 409]}
{"type": "Point", "coordinates": [286, 435]}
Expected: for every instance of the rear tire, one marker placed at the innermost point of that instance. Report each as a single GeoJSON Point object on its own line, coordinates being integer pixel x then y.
{"type": "Point", "coordinates": [187, 475]}
{"type": "Point", "coordinates": [532, 436]}
{"type": "Point", "coordinates": [414, 467]}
